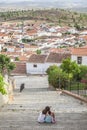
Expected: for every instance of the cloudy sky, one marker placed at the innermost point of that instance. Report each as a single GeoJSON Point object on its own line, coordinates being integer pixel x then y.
{"type": "Point", "coordinates": [14, 0]}
{"type": "Point", "coordinates": [43, 0]}
{"type": "Point", "coordinates": [72, 4]}
{"type": "Point", "coordinates": [62, 3]}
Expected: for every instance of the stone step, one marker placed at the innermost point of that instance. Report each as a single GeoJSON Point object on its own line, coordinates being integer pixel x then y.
{"type": "Point", "coordinates": [27, 121]}
{"type": "Point", "coordinates": [37, 101]}
{"type": "Point", "coordinates": [32, 81]}
{"type": "Point", "coordinates": [22, 113]}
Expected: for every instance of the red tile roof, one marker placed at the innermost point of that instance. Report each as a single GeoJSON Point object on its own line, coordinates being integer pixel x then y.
{"type": "Point", "coordinates": [20, 68]}
{"type": "Point", "coordinates": [37, 58]}
{"type": "Point", "coordinates": [23, 58]}
{"type": "Point", "coordinates": [57, 50]}
{"type": "Point", "coordinates": [79, 51]}
{"type": "Point", "coordinates": [85, 37]}
{"type": "Point", "coordinates": [32, 32]}
{"type": "Point", "coordinates": [57, 57]}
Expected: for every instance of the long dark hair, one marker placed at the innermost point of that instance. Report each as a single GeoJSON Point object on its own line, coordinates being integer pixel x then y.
{"type": "Point", "coordinates": [47, 109]}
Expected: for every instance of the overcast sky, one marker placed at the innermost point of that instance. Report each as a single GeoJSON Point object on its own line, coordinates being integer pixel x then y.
{"type": "Point", "coordinates": [62, 2]}
{"type": "Point", "coordinates": [13, 0]}
{"type": "Point", "coordinates": [42, 0]}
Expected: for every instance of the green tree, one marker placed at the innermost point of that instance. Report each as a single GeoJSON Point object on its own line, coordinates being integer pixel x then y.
{"type": "Point", "coordinates": [16, 58]}
{"type": "Point", "coordinates": [2, 85]}
{"type": "Point", "coordinates": [5, 49]}
{"type": "Point", "coordinates": [38, 51]}
{"type": "Point", "coordinates": [6, 66]}
{"type": "Point", "coordinates": [77, 26]}
{"type": "Point", "coordinates": [83, 72]}
{"type": "Point", "coordinates": [71, 68]}
{"type": "Point", "coordinates": [51, 68]}
{"type": "Point", "coordinates": [27, 40]}
{"type": "Point", "coordinates": [56, 77]}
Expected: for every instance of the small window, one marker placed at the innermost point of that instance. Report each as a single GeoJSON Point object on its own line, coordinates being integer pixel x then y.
{"type": "Point", "coordinates": [79, 60]}
{"type": "Point", "coordinates": [34, 65]}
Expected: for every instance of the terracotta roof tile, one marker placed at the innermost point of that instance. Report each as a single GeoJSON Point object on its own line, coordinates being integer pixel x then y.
{"type": "Point", "coordinates": [79, 51]}
{"type": "Point", "coordinates": [11, 53]}
{"type": "Point", "coordinates": [37, 58]}
{"type": "Point", "coordinates": [20, 68]}
{"type": "Point", "coordinates": [30, 46]}
{"type": "Point", "coordinates": [57, 57]}
{"type": "Point", "coordinates": [23, 58]}
{"type": "Point", "coordinates": [85, 37]}
{"type": "Point", "coordinates": [57, 50]}
{"type": "Point", "coordinates": [31, 32]}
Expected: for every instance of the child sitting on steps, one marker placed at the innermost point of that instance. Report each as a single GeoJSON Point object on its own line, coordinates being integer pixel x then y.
{"type": "Point", "coordinates": [50, 117]}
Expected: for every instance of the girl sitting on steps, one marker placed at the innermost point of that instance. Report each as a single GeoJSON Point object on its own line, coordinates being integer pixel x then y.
{"type": "Point", "coordinates": [46, 116]}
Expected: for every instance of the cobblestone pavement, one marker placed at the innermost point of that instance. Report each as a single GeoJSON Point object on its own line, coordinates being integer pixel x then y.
{"type": "Point", "coordinates": [22, 113]}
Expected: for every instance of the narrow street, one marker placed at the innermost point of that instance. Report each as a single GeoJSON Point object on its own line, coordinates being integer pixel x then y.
{"type": "Point", "coordinates": [23, 112]}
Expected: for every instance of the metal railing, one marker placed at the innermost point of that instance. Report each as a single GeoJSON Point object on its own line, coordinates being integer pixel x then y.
{"type": "Point", "coordinates": [76, 87]}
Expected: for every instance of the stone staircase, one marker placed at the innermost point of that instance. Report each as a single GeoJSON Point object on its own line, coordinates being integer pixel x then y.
{"type": "Point", "coordinates": [23, 112]}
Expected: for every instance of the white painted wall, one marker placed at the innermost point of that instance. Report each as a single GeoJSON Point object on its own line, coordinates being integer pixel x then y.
{"type": "Point", "coordinates": [0, 47]}
{"type": "Point", "coordinates": [84, 59]}
{"type": "Point", "coordinates": [35, 70]}
{"type": "Point", "coordinates": [6, 38]}
{"type": "Point", "coordinates": [10, 49]}
{"type": "Point", "coordinates": [74, 58]}
{"type": "Point", "coordinates": [40, 69]}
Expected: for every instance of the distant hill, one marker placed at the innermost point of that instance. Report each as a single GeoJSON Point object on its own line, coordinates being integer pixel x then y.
{"type": "Point", "coordinates": [79, 5]}
{"type": "Point", "coordinates": [57, 16]}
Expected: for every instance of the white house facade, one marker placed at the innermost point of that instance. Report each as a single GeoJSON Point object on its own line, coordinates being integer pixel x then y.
{"type": "Point", "coordinates": [39, 68]}
{"type": "Point", "coordinates": [38, 64]}
{"type": "Point", "coordinates": [79, 55]}
{"type": "Point", "coordinates": [35, 68]}
{"type": "Point", "coordinates": [79, 59]}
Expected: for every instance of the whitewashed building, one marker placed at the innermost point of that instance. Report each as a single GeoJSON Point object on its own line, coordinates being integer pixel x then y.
{"type": "Point", "coordinates": [38, 64]}
{"type": "Point", "coordinates": [79, 55]}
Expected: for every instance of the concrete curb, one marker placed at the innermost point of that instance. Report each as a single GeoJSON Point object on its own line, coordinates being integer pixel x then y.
{"type": "Point", "coordinates": [73, 95]}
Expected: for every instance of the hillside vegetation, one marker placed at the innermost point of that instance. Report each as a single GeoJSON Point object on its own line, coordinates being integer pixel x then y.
{"type": "Point", "coordinates": [57, 16]}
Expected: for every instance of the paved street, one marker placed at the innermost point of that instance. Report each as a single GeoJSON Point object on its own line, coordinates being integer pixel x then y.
{"type": "Point", "coordinates": [22, 113]}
